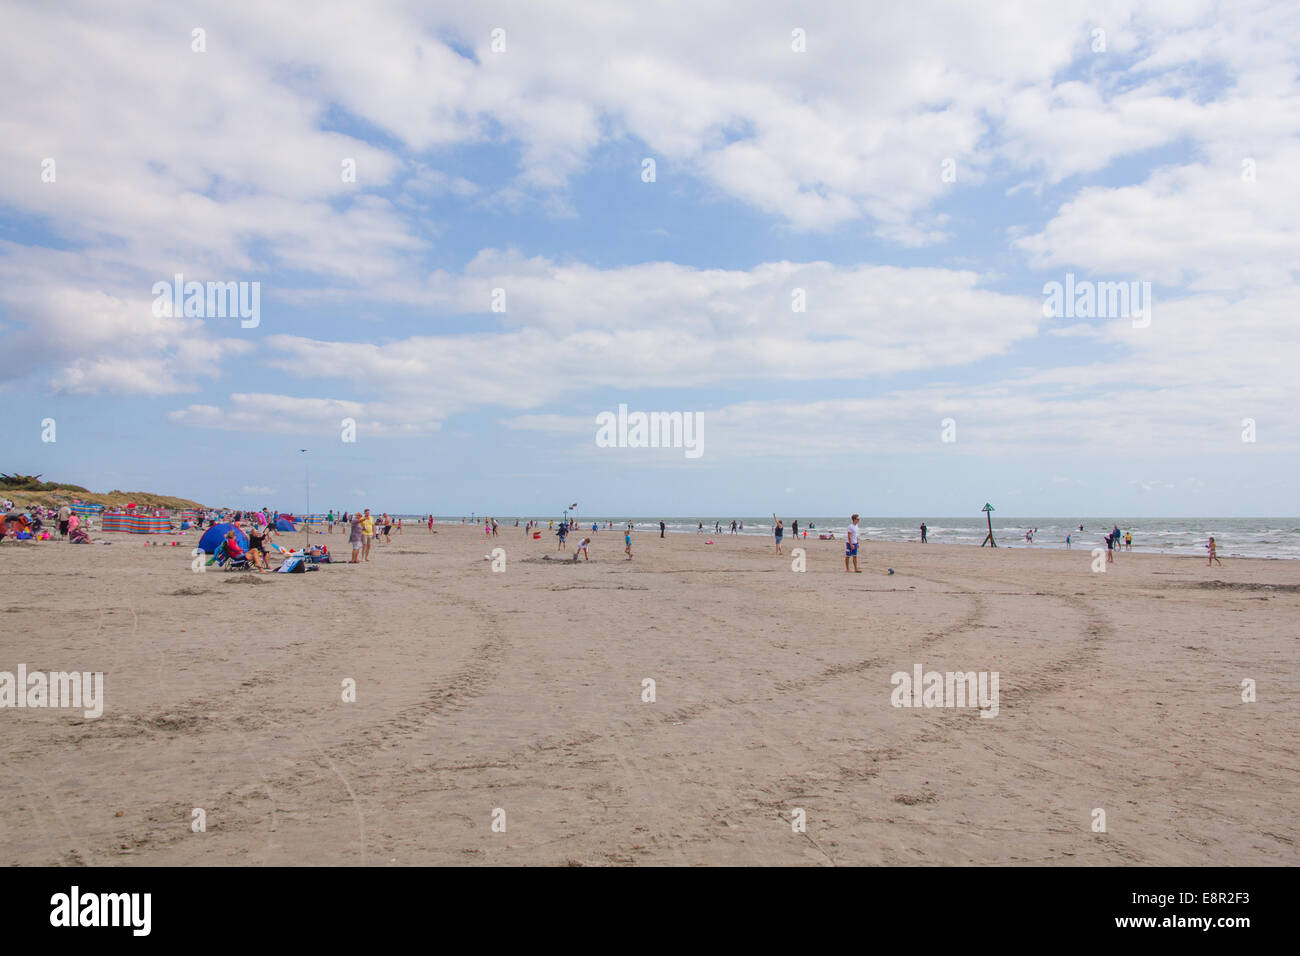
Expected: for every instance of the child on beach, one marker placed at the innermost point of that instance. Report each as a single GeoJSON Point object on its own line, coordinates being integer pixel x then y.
{"type": "Point", "coordinates": [582, 549]}
{"type": "Point", "coordinates": [1214, 553]}
{"type": "Point", "coordinates": [627, 539]}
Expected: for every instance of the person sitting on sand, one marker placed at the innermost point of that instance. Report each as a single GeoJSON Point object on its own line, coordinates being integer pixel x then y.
{"type": "Point", "coordinates": [1214, 553]}
{"type": "Point", "coordinates": [582, 549]}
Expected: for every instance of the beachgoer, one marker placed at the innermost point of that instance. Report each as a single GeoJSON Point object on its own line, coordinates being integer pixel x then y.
{"type": "Point", "coordinates": [1067, 542]}
{"type": "Point", "coordinates": [924, 532]}
{"type": "Point", "coordinates": [562, 533]}
{"type": "Point", "coordinates": [777, 531]}
{"type": "Point", "coordinates": [627, 541]}
{"type": "Point", "coordinates": [662, 527]}
{"type": "Point", "coordinates": [367, 534]}
{"type": "Point", "coordinates": [582, 549]}
{"type": "Point", "coordinates": [851, 546]}
{"type": "Point", "coordinates": [1214, 553]}
{"type": "Point", "coordinates": [64, 514]}
{"type": "Point", "coordinates": [356, 537]}
{"type": "Point", "coordinates": [233, 551]}
{"type": "Point", "coordinates": [257, 548]}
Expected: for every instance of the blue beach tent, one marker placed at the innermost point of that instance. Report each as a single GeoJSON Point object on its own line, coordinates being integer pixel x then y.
{"type": "Point", "coordinates": [213, 537]}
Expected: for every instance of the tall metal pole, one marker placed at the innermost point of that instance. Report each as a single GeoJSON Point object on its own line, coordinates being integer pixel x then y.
{"type": "Point", "coordinates": [306, 524]}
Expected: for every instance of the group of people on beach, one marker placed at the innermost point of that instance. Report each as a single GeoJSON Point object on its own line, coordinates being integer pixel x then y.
{"type": "Point", "coordinates": [29, 525]}
{"type": "Point", "coordinates": [581, 549]}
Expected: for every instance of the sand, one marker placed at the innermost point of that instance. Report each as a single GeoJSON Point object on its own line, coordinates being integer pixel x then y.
{"type": "Point", "coordinates": [522, 691]}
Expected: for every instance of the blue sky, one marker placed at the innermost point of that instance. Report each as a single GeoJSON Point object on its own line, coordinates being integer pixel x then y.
{"type": "Point", "coordinates": [1165, 157]}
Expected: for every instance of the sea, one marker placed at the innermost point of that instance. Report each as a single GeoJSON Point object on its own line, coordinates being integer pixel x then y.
{"type": "Point", "coordinates": [1235, 537]}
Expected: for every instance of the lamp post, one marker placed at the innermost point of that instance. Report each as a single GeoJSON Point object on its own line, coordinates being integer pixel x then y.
{"type": "Point", "coordinates": [306, 523]}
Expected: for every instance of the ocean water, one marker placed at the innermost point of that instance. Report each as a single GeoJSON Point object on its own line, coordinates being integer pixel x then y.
{"type": "Point", "coordinates": [1235, 537]}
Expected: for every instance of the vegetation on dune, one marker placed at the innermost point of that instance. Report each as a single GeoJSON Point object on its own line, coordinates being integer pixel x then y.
{"type": "Point", "coordinates": [32, 490]}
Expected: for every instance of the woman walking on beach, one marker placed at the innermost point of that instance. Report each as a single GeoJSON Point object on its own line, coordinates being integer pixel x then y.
{"type": "Point", "coordinates": [778, 530]}
{"type": "Point", "coordinates": [355, 533]}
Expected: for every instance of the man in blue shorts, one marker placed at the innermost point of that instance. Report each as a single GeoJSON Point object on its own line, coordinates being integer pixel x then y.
{"type": "Point", "coordinates": [851, 547]}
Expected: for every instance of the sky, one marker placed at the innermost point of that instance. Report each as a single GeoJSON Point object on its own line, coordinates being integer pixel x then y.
{"type": "Point", "coordinates": [827, 233]}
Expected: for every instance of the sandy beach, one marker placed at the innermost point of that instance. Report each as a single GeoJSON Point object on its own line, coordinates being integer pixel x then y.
{"type": "Point", "coordinates": [523, 691]}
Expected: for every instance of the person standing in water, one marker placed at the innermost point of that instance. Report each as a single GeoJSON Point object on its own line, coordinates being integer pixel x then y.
{"type": "Point", "coordinates": [924, 531]}
{"type": "Point", "coordinates": [777, 531]}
